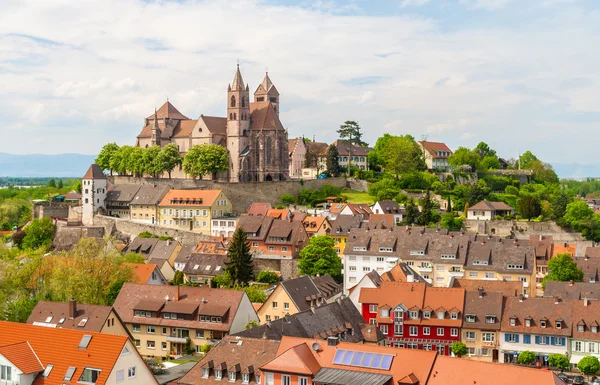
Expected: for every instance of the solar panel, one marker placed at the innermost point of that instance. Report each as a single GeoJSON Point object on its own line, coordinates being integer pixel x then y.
{"type": "Point", "coordinates": [366, 361]}
{"type": "Point", "coordinates": [347, 357]}
{"type": "Point", "coordinates": [339, 354]}
{"type": "Point", "coordinates": [376, 361]}
{"type": "Point", "coordinates": [357, 358]}
{"type": "Point", "coordinates": [386, 362]}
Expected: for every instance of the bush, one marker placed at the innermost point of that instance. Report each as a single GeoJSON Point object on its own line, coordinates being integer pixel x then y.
{"type": "Point", "coordinates": [459, 349]}
{"type": "Point", "coordinates": [512, 190]}
{"type": "Point", "coordinates": [559, 361]}
{"type": "Point", "coordinates": [205, 348]}
{"type": "Point", "coordinates": [266, 276]}
{"type": "Point", "coordinates": [287, 199]}
{"type": "Point", "coordinates": [146, 234]}
{"type": "Point", "coordinates": [526, 358]}
{"type": "Point", "coordinates": [588, 365]}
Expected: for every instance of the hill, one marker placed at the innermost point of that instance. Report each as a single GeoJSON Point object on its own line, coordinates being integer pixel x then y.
{"type": "Point", "coordinates": [37, 165]}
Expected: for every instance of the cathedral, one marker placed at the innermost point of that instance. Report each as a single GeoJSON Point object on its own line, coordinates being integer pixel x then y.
{"type": "Point", "coordinates": [251, 132]}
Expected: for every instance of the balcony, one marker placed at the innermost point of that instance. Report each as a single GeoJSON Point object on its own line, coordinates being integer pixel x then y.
{"type": "Point", "coordinates": [457, 273]}
{"type": "Point", "coordinates": [487, 344]}
{"type": "Point", "coordinates": [177, 340]}
{"type": "Point", "coordinates": [425, 269]}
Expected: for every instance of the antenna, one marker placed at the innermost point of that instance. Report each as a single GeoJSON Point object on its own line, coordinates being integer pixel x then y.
{"type": "Point", "coordinates": [316, 346]}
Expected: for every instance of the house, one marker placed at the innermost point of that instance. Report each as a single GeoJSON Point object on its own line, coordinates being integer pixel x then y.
{"type": "Point", "coordinates": [363, 211]}
{"type": "Point", "coordinates": [162, 318]}
{"type": "Point", "coordinates": [415, 315]}
{"type": "Point", "coordinates": [159, 252]}
{"type": "Point", "coordinates": [147, 274]}
{"type": "Point", "coordinates": [93, 188]}
{"type": "Point", "coordinates": [294, 295]}
{"type": "Point", "coordinates": [183, 256]}
{"type": "Point", "coordinates": [506, 288]}
{"type": "Point", "coordinates": [487, 211]}
{"type": "Point", "coordinates": [314, 158]}
{"type": "Point", "coordinates": [144, 205]}
{"type": "Point", "coordinates": [335, 209]}
{"type": "Point", "coordinates": [540, 325]}
{"type": "Point", "coordinates": [259, 208]}
{"type": "Point", "coordinates": [388, 207]}
{"type": "Point", "coordinates": [33, 355]}
{"type": "Point", "coordinates": [481, 324]}
{"type": "Point", "coordinates": [544, 250]}
{"type": "Point", "coordinates": [224, 226]}
{"type": "Point", "coordinates": [71, 315]}
{"type": "Point", "coordinates": [316, 225]}
{"type": "Point", "coordinates": [118, 199]}
{"type": "Point", "coordinates": [436, 155]}
{"type": "Point", "coordinates": [193, 210]}
{"type": "Point", "coordinates": [297, 149]}
{"type": "Point", "coordinates": [339, 318]}
{"type": "Point", "coordinates": [340, 228]}
{"type": "Point", "coordinates": [234, 358]}
{"type": "Point", "coordinates": [590, 264]}
{"type": "Point", "coordinates": [202, 268]}
{"type": "Point", "coordinates": [585, 340]}
{"type": "Point", "coordinates": [572, 290]}
{"type": "Point", "coordinates": [349, 155]}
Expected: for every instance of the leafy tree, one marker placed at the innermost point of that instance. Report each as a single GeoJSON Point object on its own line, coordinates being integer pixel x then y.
{"type": "Point", "coordinates": [177, 278]}
{"type": "Point", "coordinates": [490, 163]}
{"type": "Point", "coordinates": [240, 265]}
{"type": "Point", "coordinates": [588, 365]}
{"type": "Point", "coordinates": [333, 163]}
{"type": "Point", "coordinates": [526, 358]}
{"type": "Point", "coordinates": [562, 268]}
{"type": "Point", "coordinates": [547, 209]}
{"type": "Point", "coordinates": [543, 172]}
{"type": "Point", "coordinates": [169, 158]}
{"type": "Point", "coordinates": [576, 211]}
{"type": "Point", "coordinates": [463, 156]}
{"type": "Point", "coordinates": [385, 189]}
{"type": "Point", "coordinates": [459, 349]}
{"type": "Point", "coordinates": [255, 294]}
{"type": "Point", "coordinates": [483, 150]}
{"type": "Point", "coordinates": [319, 257]}
{"type": "Point", "coordinates": [78, 186]}
{"type": "Point", "coordinates": [103, 160]}
{"type": "Point", "coordinates": [119, 160]}
{"type": "Point", "coordinates": [136, 163]}
{"type": "Point", "coordinates": [152, 163]}
{"type": "Point", "coordinates": [529, 207]}
{"type": "Point", "coordinates": [113, 292]}
{"type": "Point", "coordinates": [559, 205]}
{"type": "Point", "coordinates": [221, 280]}
{"type": "Point", "coordinates": [427, 207]}
{"type": "Point", "coordinates": [205, 159]}
{"type": "Point", "coordinates": [60, 184]}
{"type": "Point", "coordinates": [352, 132]}
{"type": "Point", "coordinates": [526, 160]}
{"type": "Point", "coordinates": [132, 257]}
{"type": "Point", "coordinates": [411, 212]}
{"type": "Point", "coordinates": [52, 183]}
{"type": "Point", "coordinates": [559, 361]}
{"type": "Point", "coordinates": [402, 154]}
{"type": "Point", "coordinates": [266, 276]}
{"type": "Point", "coordinates": [20, 309]}
{"type": "Point", "coordinates": [39, 233]}
{"type": "Point", "coordinates": [286, 199]}
{"type": "Point", "coordinates": [451, 221]}
{"type": "Point", "coordinates": [17, 238]}
{"type": "Point", "coordinates": [5, 226]}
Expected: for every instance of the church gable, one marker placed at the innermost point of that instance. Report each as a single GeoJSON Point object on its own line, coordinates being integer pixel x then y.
{"type": "Point", "coordinates": [264, 117]}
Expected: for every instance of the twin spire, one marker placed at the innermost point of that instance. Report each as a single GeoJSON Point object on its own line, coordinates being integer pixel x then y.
{"type": "Point", "coordinates": [238, 81]}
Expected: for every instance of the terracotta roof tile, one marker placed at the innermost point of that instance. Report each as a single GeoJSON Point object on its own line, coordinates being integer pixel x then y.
{"type": "Point", "coordinates": [94, 172]}
{"type": "Point", "coordinates": [264, 117]}
{"type": "Point", "coordinates": [22, 356]}
{"type": "Point", "coordinates": [208, 197]}
{"type": "Point", "coordinates": [168, 110]}
{"type": "Point", "coordinates": [433, 147]}
{"type": "Point", "coordinates": [96, 315]}
{"type": "Point", "coordinates": [259, 208]}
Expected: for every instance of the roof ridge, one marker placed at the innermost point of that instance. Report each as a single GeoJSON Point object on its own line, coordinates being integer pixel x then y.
{"type": "Point", "coordinates": [35, 354]}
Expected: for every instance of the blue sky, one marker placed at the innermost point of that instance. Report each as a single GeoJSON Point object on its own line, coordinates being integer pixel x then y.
{"type": "Point", "coordinates": [517, 74]}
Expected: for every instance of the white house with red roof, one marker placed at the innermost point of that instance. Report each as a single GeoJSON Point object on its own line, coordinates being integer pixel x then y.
{"type": "Point", "coordinates": [436, 155]}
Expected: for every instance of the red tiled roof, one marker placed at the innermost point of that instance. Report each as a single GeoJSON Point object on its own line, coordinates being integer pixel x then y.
{"type": "Point", "coordinates": [168, 110]}
{"type": "Point", "coordinates": [22, 356]}
{"type": "Point", "coordinates": [208, 197]}
{"type": "Point", "coordinates": [94, 172]}
{"type": "Point", "coordinates": [434, 147]}
{"type": "Point", "coordinates": [142, 272]}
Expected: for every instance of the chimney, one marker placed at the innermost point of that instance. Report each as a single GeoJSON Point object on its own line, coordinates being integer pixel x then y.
{"type": "Point", "coordinates": [332, 341]}
{"type": "Point", "coordinates": [312, 308]}
{"type": "Point", "coordinates": [586, 302]}
{"type": "Point", "coordinates": [168, 242]}
{"type": "Point", "coordinates": [516, 243]}
{"type": "Point", "coordinates": [72, 308]}
{"type": "Point", "coordinates": [521, 298]}
{"type": "Point", "coordinates": [556, 299]}
{"type": "Point", "coordinates": [176, 294]}
{"type": "Point", "coordinates": [571, 283]}
{"type": "Point", "coordinates": [451, 235]}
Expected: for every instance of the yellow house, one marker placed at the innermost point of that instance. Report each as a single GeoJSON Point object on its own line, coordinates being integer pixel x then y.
{"type": "Point", "coordinates": [340, 228]}
{"type": "Point", "coordinates": [144, 205]}
{"type": "Point", "coordinates": [193, 210]}
{"type": "Point", "coordinates": [316, 226]}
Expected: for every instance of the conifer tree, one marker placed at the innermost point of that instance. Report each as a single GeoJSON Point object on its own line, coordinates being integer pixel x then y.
{"type": "Point", "coordinates": [333, 163]}
{"type": "Point", "coordinates": [240, 265]}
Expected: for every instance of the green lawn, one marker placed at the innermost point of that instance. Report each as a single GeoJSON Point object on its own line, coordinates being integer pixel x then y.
{"type": "Point", "coordinates": [184, 361]}
{"type": "Point", "coordinates": [358, 197]}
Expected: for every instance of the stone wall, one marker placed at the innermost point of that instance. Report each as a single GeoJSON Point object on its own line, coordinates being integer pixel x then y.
{"type": "Point", "coordinates": [243, 194]}
{"type": "Point", "coordinates": [130, 230]}
{"type": "Point", "coordinates": [51, 209]}
{"type": "Point", "coordinates": [288, 268]}
{"type": "Point", "coordinates": [67, 236]}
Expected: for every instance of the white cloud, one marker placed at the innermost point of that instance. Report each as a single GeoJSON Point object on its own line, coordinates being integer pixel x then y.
{"type": "Point", "coordinates": [487, 4]}
{"type": "Point", "coordinates": [413, 3]}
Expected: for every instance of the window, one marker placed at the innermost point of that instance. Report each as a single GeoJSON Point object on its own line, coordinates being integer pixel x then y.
{"type": "Point", "coordinates": [47, 370]}
{"type": "Point", "coordinates": [528, 322]}
{"type": "Point", "coordinates": [150, 344]}
{"type": "Point", "coordinates": [453, 315]}
{"type": "Point", "coordinates": [131, 372]}
{"type": "Point", "coordinates": [285, 380]}
{"type": "Point", "coordinates": [470, 335]}
{"type": "Point", "coordinates": [594, 329]}
{"type": "Point", "coordinates": [485, 351]}
{"type": "Point", "coordinates": [372, 308]}
{"type": "Point", "coordinates": [426, 330]}
{"type": "Point", "coordinates": [473, 274]}
{"type": "Point", "coordinates": [413, 331]}
{"type": "Point", "coordinates": [135, 328]}
{"type": "Point", "coordinates": [470, 318]}
{"type": "Point", "coordinates": [384, 329]}
{"type": "Point", "coordinates": [440, 331]}
{"type": "Point", "coordinates": [441, 314]}
{"type": "Point", "coordinates": [414, 314]}
{"type": "Point", "coordinates": [580, 328]}
{"type": "Point", "coordinates": [513, 321]}
{"type": "Point", "coordinates": [120, 375]}
{"type": "Point", "coordinates": [137, 343]}
{"type": "Point", "coordinates": [284, 248]}
{"type": "Point", "coordinates": [150, 329]}
{"type": "Point", "coordinates": [89, 375]}
{"type": "Point", "coordinates": [163, 345]}
{"type": "Point", "coordinates": [487, 337]}
{"type": "Point", "coordinates": [68, 374]}
{"type": "Point", "coordinates": [427, 314]}
{"type": "Point", "coordinates": [489, 275]}
{"type": "Point", "coordinates": [592, 347]}
{"type": "Point", "coordinates": [384, 313]}
{"type": "Point", "coordinates": [274, 305]}
{"type": "Point", "coordinates": [490, 319]}
{"type": "Point", "coordinates": [231, 376]}
{"type": "Point", "coordinates": [558, 324]}
{"type": "Point", "coordinates": [218, 374]}
{"type": "Point", "coordinates": [512, 338]}
{"type": "Point", "coordinates": [254, 244]}
{"type": "Point", "coordinates": [454, 332]}
{"type": "Point", "coordinates": [302, 381]}
{"type": "Point", "coordinates": [164, 331]}
{"type": "Point", "coordinates": [440, 267]}
{"type": "Point", "coordinates": [366, 269]}
{"type": "Point", "coordinates": [269, 380]}
{"type": "Point", "coordinates": [543, 323]}
{"type": "Point", "coordinates": [6, 373]}
{"type": "Point", "coordinates": [578, 346]}
{"type": "Point", "coordinates": [471, 351]}
{"type": "Point", "coordinates": [271, 248]}
{"type": "Point", "coordinates": [352, 268]}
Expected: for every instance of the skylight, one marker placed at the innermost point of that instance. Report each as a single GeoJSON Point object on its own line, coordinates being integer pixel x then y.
{"type": "Point", "coordinates": [48, 319]}
{"type": "Point", "coordinates": [82, 322]}
{"type": "Point", "coordinates": [61, 321]}
{"type": "Point", "coordinates": [69, 373]}
{"type": "Point", "coordinates": [85, 341]}
{"type": "Point", "coordinates": [47, 370]}
{"type": "Point", "coordinates": [363, 360]}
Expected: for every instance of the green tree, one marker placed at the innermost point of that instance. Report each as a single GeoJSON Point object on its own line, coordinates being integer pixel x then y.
{"type": "Point", "coordinates": [221, 280]}
{"type": "Point", "coordinates": [20, 309]}
{"type": "Point", "coordinates": [411, 212]}
{"type": "Point", "coordinates": [286, 199]}
{"type": "Point", "coordinates": [119, 160]}
{"type": "Point", "coordinates": [319, 257]}
{"type": "Point", "coordinates": [60, 184]}
{"type": "Point", "coordinates": [512, 190]}
{"type": "Point", "coordinates": [52, 183]}
{"type": "Point", "coordinates": [132, 257]}
{"type": "Point", "coordinates": [483, 150]}
{"type": "Point", "coordinates": [169, 158]}
{"type": "Point", "coordinates": [351, 132]}
{"type": "Point", "coordinates": [206, 159]}
{"type": "Point", "coordinates": [255, 294]}
{"type": "Point", "coordinates": [559, 361]}
{"type": "Point", "coordinates": [402, 154]}
{"type": "Point", "coordinates": [559, 205]}
{"type": "Point", "coordinates": [5, 226]}
{"type": "Point", "coordinates": [103, 160]}
{"type": "Point", "coordinates": [152, 163]}
{"type": "Point", "coordinates": [451, 221]}
{"type": "Point", "coordinates": [490, 163]}
{"type": "Point", "coordinates": [427, 207]}
{"type": "Point", "coordinates": [136, 163]}
{"type": "Point", "coordinates": [526, 160]}
{"type": "Point", "coordinates": [529, 207]}
{"type": "Point", "coordinates": [266, 276]}
{"type": "Point", "coordinates": [588, 365]}
{"type": "Point", "coordinates": [463, 156]}
{"type": "Point", "coordinates": [543, 172]}
{"type": "Point", "coordinates": [385, 189]}
{"type": "Point", "coordinates": [39, 233]}
{"type": "Point", "coordinates": [333, 163]}
{"type": "Point", "coordinates": [114, 291]}
{"type": "Point", "coordinates": [459, 349]}
{"type": "Point", "coordinates": [576, 211]}
{"type": "Point", "coordinates": [526, 358]}
{"type": "Point", "coordinates": [240, 265]}
{"type": "Point", "coordinates": [562, 268]}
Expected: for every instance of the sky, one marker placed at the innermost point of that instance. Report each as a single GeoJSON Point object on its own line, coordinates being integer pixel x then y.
{"type": "Point", "coordinates": [517, 74]}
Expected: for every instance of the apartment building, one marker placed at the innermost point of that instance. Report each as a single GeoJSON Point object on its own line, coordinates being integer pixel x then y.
{"type": "Point", "coordinates": [224, 226]}
{"type": "Point", "coordinates": [34, 355]}
{"type": "Point", "coordinates": [585, 339]}
{"type": "Point", "coordinates": [161, 319]}
{"type": "Point", "coordinates": [436, 155]}
{"type": "Point", "coordinates": [481, 324]}
{"type": "Point", "coordinates": [144, 205]}
{"type": "Point", "coordinates": [118, 199]}
{"type": "Point", "coordinates": [193, 210]}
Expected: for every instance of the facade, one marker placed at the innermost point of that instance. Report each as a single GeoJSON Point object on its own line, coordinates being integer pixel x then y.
{"type": "Point", "coordinates": [340, 228]}
{"type": "Point", "coordinates": [224, 226]}
{"type": "Point", "coordinates": [33, 355]}
{"type": "Point", "coordinates": [252, 133]}
{"type": "Point", "coordinates": [93, 188]}
{"type": "Point", "coordinates": [148, 274]}
{"type": "Point", "coordinates": [317, 226]}
{"type": "Point", "coordinates": [350, 155]}
{"type": "Point", "coordinates": [162, 318]}
{"type": "Point", "coordinates": [586, 330]}
{"type": "Point", "coordinates": [193, 210]}
{"type": "Point", "coordinates": [436, 155]}
{"type": "Point", "coordinates": [390, 208]}
{"type": "Point", "coordinates": [481, 324]}
{"type": "Point", "coordinates": [487, 211]}
{"type": "Point", "coordinates": [144, 205]}
{"type": "Point", "coordinates": [297, 149]}
{"type": "Point", "coordinates": [118, 200]}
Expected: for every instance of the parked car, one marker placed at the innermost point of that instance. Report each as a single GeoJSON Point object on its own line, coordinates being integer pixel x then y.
{"type": "Point", "coordinates": [563, 377]}
{"type": "Point", "coordinates": [596, 381]}
{"type": "Point", "coordinates": [577, 380]}
{"type": "Point", "coordinates": [322, 176]}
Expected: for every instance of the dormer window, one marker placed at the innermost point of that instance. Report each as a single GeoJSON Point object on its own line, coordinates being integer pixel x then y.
{"type": "Point", "coordinates": [580, 328]}
{"type": "Point", "coordinates": [232, 376]}
{"type": "Point", "coordinates": [417, 252]}
{"type": "Point", "coordinates": [558, 324]}
{"type": "Point", "coordinates": [513, 321]}
{"type": "Point", "coordinates": [414, 314]}
{"type": "Point", "coordinates": [385, 250]}
{"type": "Point", "coordinates": [359, 248]}
{"type": "Point", "coordinates": [427, 314]}
{"type": "Point", "coordinates": [470, 318]}
{"type": "Point", "coordinates": [245, 378]}
{"type": "Point", "coordinates": [528, 322]}
{"type": "Point", "coordinates": [453, 315]}
{"type": "Point", "coordinates": [218, 374]}
{"type": "Point", "coordinates": [594, 329]}
{"type": "Point", "coordinates": [515, 267]}
{"type": "Point", "coordinates": [441, 314]}
{"type": "Point", "coordinates": [543, 323]}
{"type": "Point", "coordinates": [384, 313]}
{"type": "Point", "coordinates": [490, 319]}
{"type": "Point", "coordinates": [448, 256]}
{"type": "Point", "coordinates": [205, 372]}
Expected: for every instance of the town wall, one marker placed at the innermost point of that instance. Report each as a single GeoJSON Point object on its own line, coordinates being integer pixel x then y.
{"type": "Point", "coordinates": [288, 268]}
{"type": "Point", "coordinates": [68, 236]}
{"type": "Point", "coordinates": [243, 194]}
{"type": "Point", "coordinates": [51, 210]}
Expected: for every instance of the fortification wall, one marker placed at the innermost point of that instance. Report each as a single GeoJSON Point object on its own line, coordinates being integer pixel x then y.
{"type": "Point", "coordinates": [51, 209]}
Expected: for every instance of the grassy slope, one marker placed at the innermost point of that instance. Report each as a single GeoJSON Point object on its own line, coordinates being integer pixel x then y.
{"type": "Point", "coordinates": [358, 197]}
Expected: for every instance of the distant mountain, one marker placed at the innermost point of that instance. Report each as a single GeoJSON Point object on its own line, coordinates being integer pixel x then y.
{"type": "Point", "coordinates": [577, 171]}
{"type": "Point", "coordinates": [37, 165]}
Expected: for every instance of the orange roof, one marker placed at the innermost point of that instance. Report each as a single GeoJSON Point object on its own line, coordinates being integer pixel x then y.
{"type": "Point", "coordinates": [60, 347]}
{"type": "Point", "coordinates": [434, 147]}
{"type": "Point", "coordinates": [142, 272]}
{"type": "Point", "coordinates": [318, 222]}
{"type": "Point", "coordinates": [168, 110]}
{"type": "Point", "coordinates": [564, 249]}
{"type": "Point", "coordinates": [442, 298]}
{"type": "Point", "coordinates": [337, 208]}
{"type": "Point", "coordinates": [256, 305]}
{"type": "Point", "coordinates": [278, 213]}
{"type": "Point", "coordinates": [297, 359]}
{"type": "Point", "coordinates": [208, 197]}
{"type": "Point", "coordinates": [259, 208]}
{"type": "Point", "coordinates": [461, 371]}
{"type": "Point", "coordinates": [22, 356]}
{"type": "Point", "coordinates": [393, 293]}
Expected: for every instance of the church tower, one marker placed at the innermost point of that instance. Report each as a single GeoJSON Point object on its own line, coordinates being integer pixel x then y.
{"type": "Point", "coordinates": [156, 133]}
{"type": "Point", "coordinates": [238, 123]}
{"type": "Point", "coordinates": [267, 92]}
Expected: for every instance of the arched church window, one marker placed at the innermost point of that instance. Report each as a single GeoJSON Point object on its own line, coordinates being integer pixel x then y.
{"type": "Point", "coordinates": [269, 151]}
{"type": "Point", "coordinates": [232, 101]}
{"type": "Point", "coordinates": [234, 116]}
{"type": "Point", "coordinates": [230, 116]}
{"type": "Point", "coordinates": [243, 101]}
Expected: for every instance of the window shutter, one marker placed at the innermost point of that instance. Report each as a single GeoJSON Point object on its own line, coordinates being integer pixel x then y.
{"type": "Point", "coordinates": [562, 341]}
{"type": "Point", "coordinates": [537, 340]}
{"type": "Point", "coordinates": [547, 340]}
{"type": "Point", "coordinates": [526, 339]}
{"type": "Point", "coordinates": [553, 340]}
{"type": "Point", "coordinates": [505, 337]}
{"type": "Point", "coordinates": [517, 338]}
